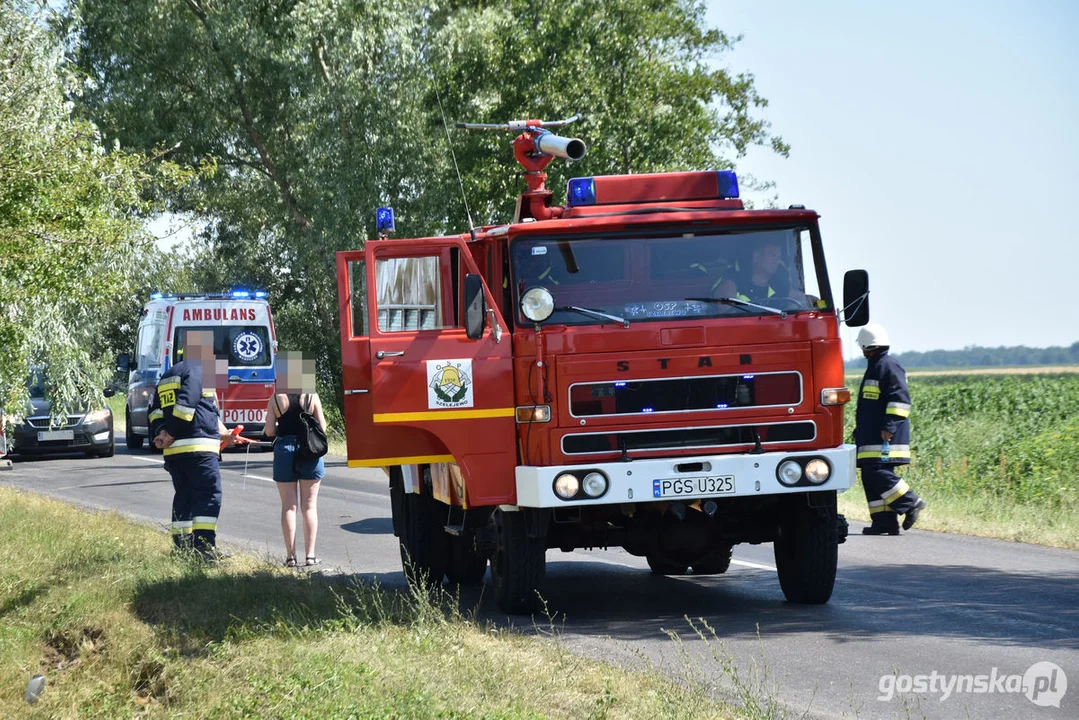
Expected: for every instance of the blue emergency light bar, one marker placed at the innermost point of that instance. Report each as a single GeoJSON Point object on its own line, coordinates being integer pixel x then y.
{"type": "Point", "coordinates": [656, 187]}
{"type": "Point", "coordinates": [233, 294]}
{"type": "Point", "coordinates": [384, 220]}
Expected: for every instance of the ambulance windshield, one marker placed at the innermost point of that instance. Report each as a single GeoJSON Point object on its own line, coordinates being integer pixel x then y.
{"type": "Point", "coordinates": [244, 346]}
{"type": "Point", "coordinates": [678, 276]}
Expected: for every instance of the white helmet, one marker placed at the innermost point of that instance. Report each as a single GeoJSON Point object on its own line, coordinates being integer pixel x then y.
{"type": "Point", "coordinates": [873, 335]}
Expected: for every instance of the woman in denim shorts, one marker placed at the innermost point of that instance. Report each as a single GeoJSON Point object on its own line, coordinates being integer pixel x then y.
{"type": "Point", "coordinates": [295, 478]}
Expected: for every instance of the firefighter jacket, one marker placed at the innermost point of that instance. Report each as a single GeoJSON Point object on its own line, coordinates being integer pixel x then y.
{"type": "Point", "coordinates": [883, 404]}
{"type": "Point", "coordinates": [183, 409]}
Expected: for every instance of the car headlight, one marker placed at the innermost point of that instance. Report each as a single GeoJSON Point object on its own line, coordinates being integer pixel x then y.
{"type": "Point", "coordinates": [566, 485]}
{"type": "Point", "coordinates": [789, 472]}
{"type": "Point", "coordinates": [595, 484]}
{"type": "Point", "coordinates": [817, 471]}
{"type": "Point", "coordinates": [96, 416]}
{"type": "Point", "coordinates": [537, 304]}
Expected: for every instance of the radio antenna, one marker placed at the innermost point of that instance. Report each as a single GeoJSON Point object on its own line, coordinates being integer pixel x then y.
{"type": "Point", "coordinates": [446, 127]}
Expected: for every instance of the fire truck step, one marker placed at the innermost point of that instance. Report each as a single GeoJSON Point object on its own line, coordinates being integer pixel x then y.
{"type": "Point", "coordinates": [455, 530]}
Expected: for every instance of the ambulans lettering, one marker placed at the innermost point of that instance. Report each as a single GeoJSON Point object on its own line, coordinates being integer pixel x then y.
{"type": "Point", "coordinates": [219, 314]}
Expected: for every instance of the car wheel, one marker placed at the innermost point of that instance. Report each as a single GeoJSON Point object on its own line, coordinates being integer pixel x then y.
{"type": "Point", "coordinates": [134, 442]}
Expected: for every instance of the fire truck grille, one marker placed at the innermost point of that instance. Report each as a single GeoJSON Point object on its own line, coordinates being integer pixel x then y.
{"type": "Point", "coordinates": [702, 438]}
{"type": "Point", "coordinates": [685, 394]}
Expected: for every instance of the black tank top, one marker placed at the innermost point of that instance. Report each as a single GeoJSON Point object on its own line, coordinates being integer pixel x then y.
{"type": "Point", "coordinates": [289, 422]}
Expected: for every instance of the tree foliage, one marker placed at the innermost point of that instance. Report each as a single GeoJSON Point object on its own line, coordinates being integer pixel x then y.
{"type": "Point", "coordinates": [975, 356]}
{"type": "Point", "coordinates": [318, 111]}
{"type": "Point", "coordinates": [69, 228]}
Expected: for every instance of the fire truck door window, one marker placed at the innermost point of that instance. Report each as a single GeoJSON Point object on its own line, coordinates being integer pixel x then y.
{"type": "Point", "coordinates": [357, 279]}
{"type": "Point", "coordinates": [410, 295]}
{"type": "Point", "coordinates": [807, 273]}
{"type": "Point", "coordinates": [151, 337]}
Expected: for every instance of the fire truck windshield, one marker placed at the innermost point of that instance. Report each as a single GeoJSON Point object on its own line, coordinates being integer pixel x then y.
{"type": "Point", "coordinates": [692, 274]}
{"type": "Point", "coordinates": [243, 345]}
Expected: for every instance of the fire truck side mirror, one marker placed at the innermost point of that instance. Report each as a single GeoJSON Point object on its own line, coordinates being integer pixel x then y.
{"type": "Point", "coordinates": [856, 298]}
{"type": "Point", "coordinates": [123, 363]}
{"type": "Point", "coordinates": [475, 307]}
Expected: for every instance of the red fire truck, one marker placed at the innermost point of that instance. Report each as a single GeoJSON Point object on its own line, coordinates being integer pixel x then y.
{"type": "Point", "coordinates": [243, 334]}
{"type": "Point", "coordinates": [650, 366]}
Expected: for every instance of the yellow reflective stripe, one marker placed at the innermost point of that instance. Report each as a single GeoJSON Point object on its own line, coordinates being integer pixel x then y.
{"type": "Point", "coordinates": [204, 522]}
{"type": "Point", "coordinates": [898, 408]}
{"type": "Point", "coordinates": [871, 454]}
{"type": "Point", "coordinates": [409, 460]}
{"type": "Point", "coordinates": [209, 393]}
{"type": "Point", "coordinates": [740, 296]}
{"type": "Point", "coordinates": [871, 393]}
{"type": "Point", "coordinates": [771, 292]}
{"type": "Point", "coordinates": [188, 445]}
{"type": "Point", "coordinates": [157, 415]}
{"type": "Point", "coordinates": [183, 412]}
{"type": "Point", "coordinates": [181, 527]}
{"type": "Point", "coordinates": [897, 491]}
{"type": "Point", "coordinates": [445, 415]}
{"type": "Point", "coordinates": [875, 510]}
{"type": "Point", "coordinates": [172, 383]}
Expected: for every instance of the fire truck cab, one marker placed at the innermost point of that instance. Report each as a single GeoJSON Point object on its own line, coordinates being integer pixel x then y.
{"type": "Point", "coordinates": [243, 333]}
{"type": "Point", "coordinates": [650, 366]}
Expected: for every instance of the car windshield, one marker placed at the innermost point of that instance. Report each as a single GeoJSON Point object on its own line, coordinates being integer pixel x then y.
{"type": "Point", "coordinates": [693, 274]}
{"type": "Point", "coordinates": [243, 345]}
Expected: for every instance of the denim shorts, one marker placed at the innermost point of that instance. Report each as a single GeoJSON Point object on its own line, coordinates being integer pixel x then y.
{"type": "Point", "coordinates": [288, 468]}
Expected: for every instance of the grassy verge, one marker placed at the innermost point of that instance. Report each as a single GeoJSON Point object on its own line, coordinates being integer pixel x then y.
{"type": "Point", "coordinates": [121, 628]}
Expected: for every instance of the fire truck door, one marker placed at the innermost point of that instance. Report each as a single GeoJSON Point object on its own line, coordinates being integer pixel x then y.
{"type": "Point", "coordinates": [432, 393]}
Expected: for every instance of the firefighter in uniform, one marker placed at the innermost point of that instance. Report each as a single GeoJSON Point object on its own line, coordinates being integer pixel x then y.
{"type": "Point", "coordinates": [764, 278]}
{"type": "Point", "coordinates": [184, 423]}
{"type": "Point", "coordinates": [882, 434]}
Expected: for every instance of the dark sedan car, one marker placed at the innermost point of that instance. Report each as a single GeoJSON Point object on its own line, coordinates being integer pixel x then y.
{"type": "Point", "coordinates": [88, 431]}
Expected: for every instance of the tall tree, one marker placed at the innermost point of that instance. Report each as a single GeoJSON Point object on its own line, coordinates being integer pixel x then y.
{"type": "Point", "coordinates": [69, 226]}
{"type": "Point", "coordinates": [318, 111]}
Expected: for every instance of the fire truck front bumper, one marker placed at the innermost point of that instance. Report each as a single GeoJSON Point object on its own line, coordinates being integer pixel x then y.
{"type": "Point", "coordinates": [686, 478]}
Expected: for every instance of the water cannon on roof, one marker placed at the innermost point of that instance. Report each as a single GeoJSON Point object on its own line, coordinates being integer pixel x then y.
{"type": "Point", "coordinates": [534, 147]}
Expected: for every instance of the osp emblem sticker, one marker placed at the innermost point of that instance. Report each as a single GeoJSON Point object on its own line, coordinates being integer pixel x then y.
{"type": "Point", "coordinates": [247, 346]}
{"type": "Point", "coordinates": [449, 383]}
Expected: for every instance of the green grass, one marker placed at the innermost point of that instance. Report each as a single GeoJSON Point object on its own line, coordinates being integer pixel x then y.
{"type": "Point", "coordinates": [121, 628]}
{"type": "Point", "coordinates": [995, 455]}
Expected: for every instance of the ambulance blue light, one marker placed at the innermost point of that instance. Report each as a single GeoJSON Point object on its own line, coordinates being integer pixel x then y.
{"type": "Point", "coordinates": [240, 294]}
{"type": "Point", "coordinates": [384, 219]}
{"type": "Point", "coordinates": [260, 294]}
{"type": "Point", "coordinates": [581, 191]}
{"type": "Point", "coordinates": [156, 296]}
{"type": "Point", "coordinates": [728, 184]}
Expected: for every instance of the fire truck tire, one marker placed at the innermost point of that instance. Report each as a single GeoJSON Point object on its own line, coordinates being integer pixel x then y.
{"type": "Point", "coordinates": [519, 564]}
{"type": "Point", "coordinates": [806, 553]}
{"type": "Point", "coordinates": [424, 550]}
{"type": "Point", "coordinates": [661, 566]}
{"type": "Point", "coordinates": [717, 562]}
{"type": "Point", "coordinates": [467, 565]}
{"type": "Point", "coordinates": [134, 442]}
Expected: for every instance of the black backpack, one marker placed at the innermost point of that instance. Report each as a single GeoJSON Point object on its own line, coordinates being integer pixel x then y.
{"type": "Point", "coordinates": [311, 438]}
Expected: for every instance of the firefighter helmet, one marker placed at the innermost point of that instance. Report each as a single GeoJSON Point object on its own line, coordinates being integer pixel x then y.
{"type": "Point", "coordinates": [872, 335]}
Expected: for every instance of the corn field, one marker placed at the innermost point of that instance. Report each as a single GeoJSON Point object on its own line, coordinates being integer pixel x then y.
{"type": "Point", "coordinates": [1013, 438]}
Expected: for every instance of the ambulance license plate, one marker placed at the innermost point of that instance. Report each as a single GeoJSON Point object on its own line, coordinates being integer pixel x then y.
{"type": "Point", "coordinates": [46, 435]}
{"type": "Point", "coordinates": [691, 487]}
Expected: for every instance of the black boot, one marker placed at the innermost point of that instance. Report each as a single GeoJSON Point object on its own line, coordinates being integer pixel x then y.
{"type": "Point", "coordinates": [884, 523]}
{"type": "Point", "coordinates": [912, 515]}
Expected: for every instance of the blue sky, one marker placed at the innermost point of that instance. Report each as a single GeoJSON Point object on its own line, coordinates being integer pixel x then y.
{"type": "Point", "coordinates": [939, 141]}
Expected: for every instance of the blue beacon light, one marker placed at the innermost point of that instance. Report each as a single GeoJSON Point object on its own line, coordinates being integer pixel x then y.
{"type": "Point", "coordinates": [384, 220]}
{"type": "Point", "coordinates": [728, 184]}
{"type": "Point", "coordinates": [581, 191]}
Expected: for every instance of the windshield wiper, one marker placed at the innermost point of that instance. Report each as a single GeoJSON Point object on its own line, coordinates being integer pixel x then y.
{"type": "Point", "coordinates": [742, 304]}
{"type": "Point", "coordinates": [595, 313]}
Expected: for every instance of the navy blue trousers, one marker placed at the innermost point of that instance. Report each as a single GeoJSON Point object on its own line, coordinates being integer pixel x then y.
{"type": "Point", "coordinates": [196, 501]}
{"type": "Point", "coordinates": [888, 494]}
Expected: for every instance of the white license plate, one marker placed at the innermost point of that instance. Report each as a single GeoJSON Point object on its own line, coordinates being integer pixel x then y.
{"type": "Point", "coordinates": [46, 435]}
{"type": "Point", "coordinates": [693, 487]}
{"type": "Point", "coordinates": [232, 416]}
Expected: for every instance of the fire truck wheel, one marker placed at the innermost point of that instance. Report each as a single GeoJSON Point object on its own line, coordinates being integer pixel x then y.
{"type": "Point", "coordinates": [134, 442]}
{"type": "Point", "coordinates": [467, 564]}
{"type": "Point", "coordinates": [518, 565]}
{"type": "Point", "coordinates": [662, 566]}
{"type": "Point", "coordinates": [806, 553]}
{"type": "Point", "coordinates": [424, 553]}
{"type": "Point", "coordinates": [716, 562]}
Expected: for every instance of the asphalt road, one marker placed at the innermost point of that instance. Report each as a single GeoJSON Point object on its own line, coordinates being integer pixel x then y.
{"type": "Point", "coordinates": [909, 611]}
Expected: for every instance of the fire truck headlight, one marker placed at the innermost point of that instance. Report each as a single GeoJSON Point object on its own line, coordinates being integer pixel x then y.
{"type": "Point", "coordinates": [817, 471]}
{"type": "Point", "coordinates": [537, 304]}
{"type": "Point", "coordinates": [835, 396]}
{"type": "Point", "coordinates": [789, 472]}
{"type": "Point", "coordinates": [595, 484]}
{"type": "Point", "coordinates": [566, 485]}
